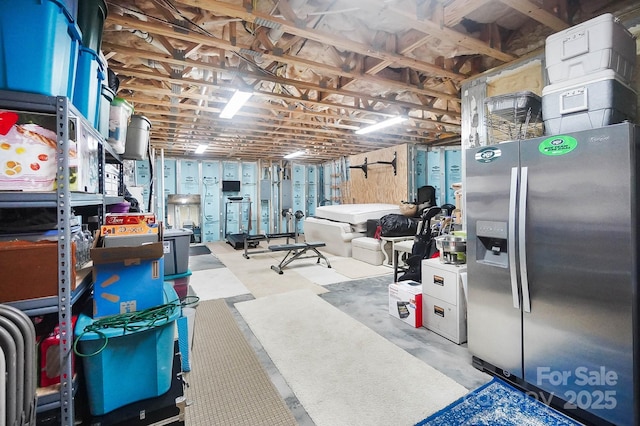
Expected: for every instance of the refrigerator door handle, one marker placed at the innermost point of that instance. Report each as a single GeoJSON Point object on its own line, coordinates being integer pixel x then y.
{"type": "Point", "coordinates": [522, 240]}
{"type": "Point", "coordinates": [511, 237]}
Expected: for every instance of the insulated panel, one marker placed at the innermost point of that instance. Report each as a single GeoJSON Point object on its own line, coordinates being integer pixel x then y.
{"type": "Point", "coordinates": [421, 169]}
{"type": "Point", "coordinates": [453, 173]}
{"type": "Point", "coordinates": [188, 177]}
{"type": "Point", "coordinates": [250, 193]}
{"type": "Point", "coordinates": [434, 173]}
{"type": "Point", "coordinates": [299, 177]}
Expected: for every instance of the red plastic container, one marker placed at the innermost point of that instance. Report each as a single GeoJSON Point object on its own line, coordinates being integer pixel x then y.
{"type": "Point", "coordinates": [50, 357]}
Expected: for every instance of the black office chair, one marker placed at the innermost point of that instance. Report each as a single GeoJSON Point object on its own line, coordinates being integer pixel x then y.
{"type": "Point", "coordinates": [426, 198]}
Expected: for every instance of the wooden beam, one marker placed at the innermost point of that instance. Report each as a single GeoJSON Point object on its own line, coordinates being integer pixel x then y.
{"type": "Point", "coordinates": [222, 44]}
{"type": "Point", "coordinates": [445, 34]}
{"type": "Point", "coordinates": [536, 12]}
{"type": "Point", "coordinates": [222, 8]}
{"type": "Point", "coordinates": [456, 10]}
{"type": "Point", "coordinates": [263, 77]}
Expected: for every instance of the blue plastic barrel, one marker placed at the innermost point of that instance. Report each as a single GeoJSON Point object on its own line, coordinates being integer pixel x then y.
{"type": "Point", "coordinates": [39, 45]}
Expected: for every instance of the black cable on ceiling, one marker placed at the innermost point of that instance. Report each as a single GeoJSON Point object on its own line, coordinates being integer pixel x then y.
{"type": "Point", "coordinates": [164, 21]}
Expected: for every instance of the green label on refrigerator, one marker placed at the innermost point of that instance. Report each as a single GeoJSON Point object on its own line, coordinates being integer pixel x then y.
{"type": "Point", "coordinates": [557, 145]}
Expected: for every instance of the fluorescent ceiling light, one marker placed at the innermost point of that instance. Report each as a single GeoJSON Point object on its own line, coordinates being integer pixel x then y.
{"type": "Point", "coordinates": [380, 125]}
{"type": "Point", "coordinates": [235, 103]}
{"type": "Point", "coordinates": [294, 154]}
{"type": "Point", "coordinates": [200, 149]}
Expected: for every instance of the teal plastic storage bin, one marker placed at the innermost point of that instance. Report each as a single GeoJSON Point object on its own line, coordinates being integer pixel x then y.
{"type": "Point", "coordinates": [180, 282]}
{"type": "Point", "coordinates": [134, 365]}
{"type": "Point", "coordinates": [39, 45]}
{"type": "Point", "coordinates": [87, 94]}
{"type": "Point", "coordinates": [71, 7]}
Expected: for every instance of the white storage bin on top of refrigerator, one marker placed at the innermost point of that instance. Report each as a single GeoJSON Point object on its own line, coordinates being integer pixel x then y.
{"type": "Point", "coordinates": [594, 45]}
{"type": "Point", "coordinates": [593, 101]}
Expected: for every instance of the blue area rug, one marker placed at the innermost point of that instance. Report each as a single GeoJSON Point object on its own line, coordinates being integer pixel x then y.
{"type": "Point", "coordinates": [497, 403]}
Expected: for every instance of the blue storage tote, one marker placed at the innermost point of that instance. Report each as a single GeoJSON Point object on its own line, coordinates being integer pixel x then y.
{"type": "Point", "coordinates": [39, 45]}
{"type": "Point", "coordinates": [134, 365]}
{"type": "Point", "coordinates": [87, 94]}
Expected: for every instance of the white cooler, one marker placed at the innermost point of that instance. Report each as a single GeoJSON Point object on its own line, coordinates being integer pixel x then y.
{"type": "Point", "coordinates": [597, 44]}
{"type": "Point", "coordinates": [589, 102]}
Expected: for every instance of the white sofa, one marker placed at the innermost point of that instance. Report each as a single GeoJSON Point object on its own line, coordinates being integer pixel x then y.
{"type": "Point", "coordinates": [336, 235]}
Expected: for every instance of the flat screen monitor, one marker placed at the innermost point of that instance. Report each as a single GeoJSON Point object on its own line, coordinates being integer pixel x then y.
{"type": "Point", "coordinates": [230, 186]}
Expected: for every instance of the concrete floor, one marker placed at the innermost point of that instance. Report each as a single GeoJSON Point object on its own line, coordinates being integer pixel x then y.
{"type": "Point", "coordinates": [367, 301]}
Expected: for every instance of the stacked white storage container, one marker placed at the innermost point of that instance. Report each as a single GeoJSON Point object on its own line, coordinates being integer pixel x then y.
{"type": "Point", "coordinates": [589, 67]}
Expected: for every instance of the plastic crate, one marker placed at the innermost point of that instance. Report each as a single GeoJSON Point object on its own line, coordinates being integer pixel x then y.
{"type": "Point", "coordinates": [176, 251]}
{"type": "Point", "coordinates": [88, 86]}
{"type": "Point", "coordinates": [39, 45]}
{"type": "Point", "coordinates": [119, 114]}
{"type": "Point", "coordinates": [180, 283]}
{"type": "Point", "coordinates": [134, 365]}
{"type": "Point", "coordinates": [106, 98]}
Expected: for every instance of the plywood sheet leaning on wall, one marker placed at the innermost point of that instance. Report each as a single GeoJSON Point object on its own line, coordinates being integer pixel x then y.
{"type": "Point", "coordinates": [380, 185]}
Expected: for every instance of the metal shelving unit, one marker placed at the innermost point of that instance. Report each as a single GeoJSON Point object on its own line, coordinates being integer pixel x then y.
{"type": "Point", "coordinates": [63, 200]}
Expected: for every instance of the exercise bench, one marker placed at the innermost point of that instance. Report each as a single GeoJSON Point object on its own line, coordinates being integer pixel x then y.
{"type": "Point", "coordinates": [296, 251]}
{"type": "Point", "coordinates": [254, 241]}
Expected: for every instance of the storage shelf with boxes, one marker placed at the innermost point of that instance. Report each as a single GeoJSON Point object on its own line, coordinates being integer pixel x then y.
{"type": "Point", "coordinates": [62, 188]}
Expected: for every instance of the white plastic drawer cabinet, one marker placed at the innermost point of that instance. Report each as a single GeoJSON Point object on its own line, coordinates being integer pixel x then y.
{"type": "Point", "coordinates": [444, 307]}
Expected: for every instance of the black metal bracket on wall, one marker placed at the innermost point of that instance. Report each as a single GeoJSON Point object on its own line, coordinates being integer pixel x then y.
{"type": "Point", "coordinates": [365, 165]}
{"type": "Point", "coordinates": [362, 166]}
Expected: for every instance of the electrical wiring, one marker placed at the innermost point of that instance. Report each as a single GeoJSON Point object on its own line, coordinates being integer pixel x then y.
{"type": "Point", "coordinates": [164, 21]}
{"type": "Point", "coordinates": [131, 322]}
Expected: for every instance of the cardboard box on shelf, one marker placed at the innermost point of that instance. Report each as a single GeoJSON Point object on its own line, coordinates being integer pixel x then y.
{"type": "Point", "coordinates": [129, 218]}
{"type": "Point", "coordinates": [405, 302]}
{"type": "Point", "coordinates": [130, 229]}
{"type": "Point", "coordinates": [127, 279]}
{"type": "Point", "coordinates": [30, 270]}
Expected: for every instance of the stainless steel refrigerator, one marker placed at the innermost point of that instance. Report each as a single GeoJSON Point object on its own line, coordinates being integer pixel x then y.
{"type": "Point", "coordinates": [553, 268]}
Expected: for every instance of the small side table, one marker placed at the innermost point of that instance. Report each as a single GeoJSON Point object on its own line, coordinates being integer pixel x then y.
{"type": "Point", "coordinates": [393, 241]}
{"type": "Point", "coordinates": [400, 247]}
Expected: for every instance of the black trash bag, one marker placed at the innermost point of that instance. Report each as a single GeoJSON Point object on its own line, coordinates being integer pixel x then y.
{"type": "Point", "coordinates": [397, 225]}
